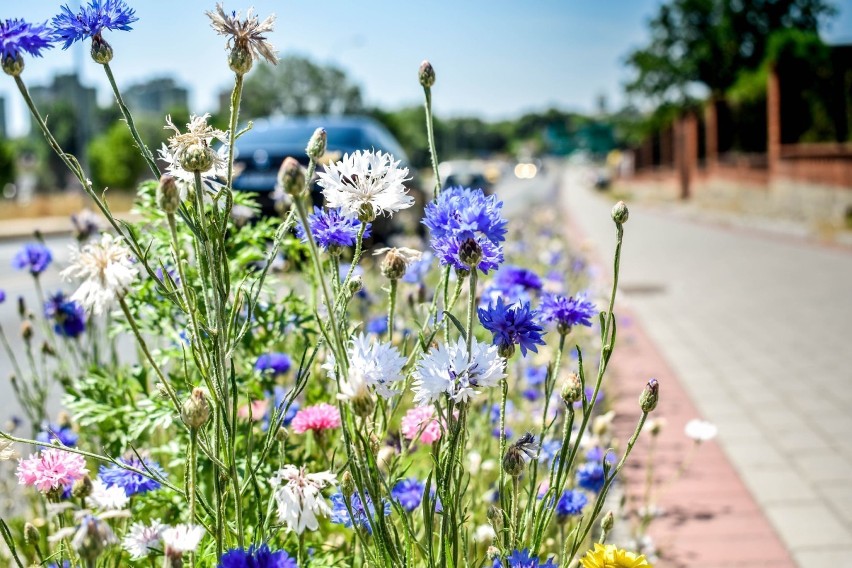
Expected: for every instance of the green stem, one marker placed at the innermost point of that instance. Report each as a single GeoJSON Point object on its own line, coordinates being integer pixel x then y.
{"type": "Point", "coordinates": [236, 97]}
{"type": "Point", "coordinates": [125, 112]}
{"type": "Point", "coordinates": [430, 133]}
{"type": "Point", "coordinates": [192, 484]}
{"type": "Point", "coordinates": [391, 308]}
{"type": "Point", "coordinates": [471, 312]}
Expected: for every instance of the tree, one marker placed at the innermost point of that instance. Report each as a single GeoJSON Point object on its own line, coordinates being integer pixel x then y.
{"type": "Point", "coordinates": [298, 86]}
{"type": "Point", "coordinates": [709, 42]}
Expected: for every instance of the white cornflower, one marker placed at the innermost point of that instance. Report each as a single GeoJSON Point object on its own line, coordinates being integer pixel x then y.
{"type": "Point", "coordinates": [181, 538]}
{"type": "Point", "coordinates": [106, 270]}
{"type": "Point", "coordinates": [245, 34]}
{"type": "Point", "coordinates": [366, 180]}
{"type": "Point", "coordinates": [701, 430]}
{"type": "Point", "coordinates": [108, 498]}
{"type": "Point", "coordinates": [446, 369]}
{"type": "Point", "coordinates": [299, 497]}
{"type": "Point", "coordinates": [143, 540]}
{"type": "Point", "coordinates": [371, 363]}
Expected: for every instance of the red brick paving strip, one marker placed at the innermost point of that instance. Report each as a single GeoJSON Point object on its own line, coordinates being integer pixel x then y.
{"type": "Point", "coordinates": [710, 519]}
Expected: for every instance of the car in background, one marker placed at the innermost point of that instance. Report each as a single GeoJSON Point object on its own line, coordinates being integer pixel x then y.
{"type": "Point", "coordinates": [469, 173]}
{"type": "Point", "coordinates": [260, 152]}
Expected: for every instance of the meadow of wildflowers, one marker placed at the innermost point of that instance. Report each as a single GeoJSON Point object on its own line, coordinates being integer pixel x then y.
{"type": "Point", "coordinates": [297, 399]}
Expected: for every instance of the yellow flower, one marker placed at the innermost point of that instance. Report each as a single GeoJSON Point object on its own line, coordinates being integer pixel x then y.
{"type": "Point", "coordinates": [610, 556]}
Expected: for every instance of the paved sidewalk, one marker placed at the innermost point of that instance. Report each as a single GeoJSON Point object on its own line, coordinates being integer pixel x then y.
{"type": "Point", "coordinates": [757, 330]}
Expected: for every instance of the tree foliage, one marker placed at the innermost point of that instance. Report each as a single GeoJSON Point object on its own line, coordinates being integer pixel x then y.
{"type": "Point", "coordinates": [298, 86]}
{"type": "Point", "coordinates": [710, 42]}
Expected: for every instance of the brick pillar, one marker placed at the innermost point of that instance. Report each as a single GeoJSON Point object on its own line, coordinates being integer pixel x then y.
{"type": "Point", "coordinates": [690, 153]}
{"type": "Point", "coordinates": [711, 135]}
{"type": "Point", "coordinates": [773, 121]}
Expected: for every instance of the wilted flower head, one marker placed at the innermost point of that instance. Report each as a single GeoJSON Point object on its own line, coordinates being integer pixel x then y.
{"type": "Point", "coordinates": [191, 149]}
{"type": "Point", "coordinates": [144, 540]}
{"type": "Point", "coordinates": [34, 257]}
{"type": "Point", "coordinates": [246, 35]}
{"type": "Point", "coordinates": [17, 36]}
{"type": "Point", "coordinates": [106, 270]}
{"type": "Point", "coordinates": [92, 20]}
{"type": "Point", "coordinates": [299, 497]}
{"type": "Point", "coordinates": [53, 468]}
{"type": "Point", "coordinates": [185, 180]}
{"type": "Point", "coordinates": [421, 421]}
{"type": "Point", "coordinates": [700, 430]}
{"type": "Point", "coordinates": [366, 184]}
{"type": "Point", "coordinates": [396, 261]}
{"type": "Point", "coordinates": [317, 418]}
{"type": "Point", "coordinates": [447, 370]}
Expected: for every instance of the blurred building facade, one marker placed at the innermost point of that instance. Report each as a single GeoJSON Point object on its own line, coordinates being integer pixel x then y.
{"type": "Point", "coordinates": [156, 97]}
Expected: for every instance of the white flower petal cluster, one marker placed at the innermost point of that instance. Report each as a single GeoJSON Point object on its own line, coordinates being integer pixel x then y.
{"type": "Point", "coordinates": [299, 497]}
{"type": "Point", "coordinates": [106, 270]}
{"type": "Point", "coordinates": [143, 540]}
{"type": "Point", "coordinates": [446, 369]}
{"type": "Point", "coordinates": [106, 498]}
{"type": "Point", "coordinates": [186, 180]}
{"type": "Point", "coordinates": [182, 538]}
{"type": "Point", "coordinates": [701, 430]}
{"type": "Point", "coordinates": [368, 177]}
{"type": "Point", "coordinates": [371, 364]}
{"type": "Point", "coordinates": [198, 134]}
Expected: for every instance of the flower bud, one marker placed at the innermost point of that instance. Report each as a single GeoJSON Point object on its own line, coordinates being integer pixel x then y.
{"type": "Point", "coordinates": [366, 214]}
{"type": "Point", "coordinates": [385, 457]}
{"type": "Point", "coordinates": [620, 213]}
{"type": "Point", "coordinates": [347, 484]}
{"type": "Point", "coordinates": [291, 177]}
{"type": "Point", "coordinates": [240, 59]}
{"type": "Point", "coordinates": [356, 283]}
{"type": "Point", "coordinates": [363, 404]}
{"type": "Point", "coordinates": [168, 195]}
{"type": "Point", "coordinates": [513, 462]}
{"type": "Point", "coordinates": [506, 351]}
{"type": "Point", "coordinates": [101, 50]}
{"type": "Point", "coordinates": [46, 349]}
{"type": "Point", "coordinates": [196, 409]}
{"type": "Point", "coordinates": [572, 390]}
{"type": "Point", "coordinates": [13, 65]}
{"type": "Point", "coordinates": [31, 534]}
{"type": "Point", "coordinates": [394, 265]}
{"type": "Point", "coordinates": [317, 144]}
{"type": "Point", "coordinates": [375, 443]}
{"type": "Point", "coordinates": [82, 488]}
{"type": "Point", "coordinates": [495, 517]}
{"type": "Point", "coordinates": [197, 158]}
{"type": "Point", "coordinates": [27, 330]}
{"type": "Point", "coordinates": [650, 396]}
{"type": "Point", "coordinates": [22, 307]}
{"type": "Point", "coordinates": [607, 522]}
{"type": "Point", "coordinates": [426, 74]}
{"type": "Point", "coordinates": [282, 434]}
{"type": "Point", "coordinates": [470, 253]}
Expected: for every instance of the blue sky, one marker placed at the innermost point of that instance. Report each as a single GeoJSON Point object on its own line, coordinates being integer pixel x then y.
{"type": "Point", "coordinates": [493, 58]}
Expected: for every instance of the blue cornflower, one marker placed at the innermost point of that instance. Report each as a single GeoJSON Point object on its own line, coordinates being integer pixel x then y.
{"type": "Point", "coordinates": [130, 481]}
{"type": "Point", "coordinates": [377, 325]}
{"type": "Point", "coordinates": [463, 219]}
{"type": "Point", "coordinates": [17, 36]}
{"type": "Point", "coordinates": [418, 269]}
{"type": "Point", "coordinates": [408, 493]}
{"type": "Point", "coordinates": [597, 454]}
{"type": "Point", "coordinates": [567, 312]}
{"type": "Point", "coordinates": [332, 228]}
{"type": "Point", "coordinates": [512, 325]}
{"type": "Point", "coordinates": [2, 296]}
{"type": "Point", "coordinates": [273, 363]}
{"type": "Point", "coordinates": [513, 294]}
{"type": "Point", "coordinates": [92, 20]}
{"type": "Point", "coordinates": [364, 517]}
{"type": "Point", "coordinates": [536, 375]}
{"type": "Point", "coordinates": [259, 557]}
{"type": "Point", "coordinates": [279, 395]}
{"type": "Point", "coordinates": [522, 559]}
{"type": "Point", "coordinates": [531, 394]}
{"type": "Point", "coordinates": [69, 317]}
{"type": "Point", "coordinates": [570, 503]}
{"type": "Point", "coordinates": [34, 257]}
{"type": "Point", "coordinates": [591, 476]}
{"type": "Point", "coordinates": [60, 432]}
{"type": "Point", "coordinates": [64, 564]}
{"type": "Point", "coordinates": [549, 451]}
{"type": "Point", "coordinates": [509, 276]}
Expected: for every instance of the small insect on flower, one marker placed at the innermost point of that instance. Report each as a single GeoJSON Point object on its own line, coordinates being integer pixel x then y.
{"type": "Point", "coordinates": [247, 40]}
{"type": "Point", "coordinates": [18, 36]}
{"type": "Point", "coordinates": [106, 270]}
{"type": "Point", "coordinates": [298, 495]}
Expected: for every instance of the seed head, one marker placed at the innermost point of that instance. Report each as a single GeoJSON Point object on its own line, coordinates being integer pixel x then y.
{"type": "Point", "coordinates": [196, 409]}
{"type": "Point", "coordinates": [291, 177]}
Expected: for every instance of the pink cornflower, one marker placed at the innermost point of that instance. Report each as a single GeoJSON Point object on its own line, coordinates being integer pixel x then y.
{"type": "Point", "coordinates": [421, 420]}
{"type": "Point", "coordinates": [52, 469]}
{"type": "Point", "coordinates": [318, 418]}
